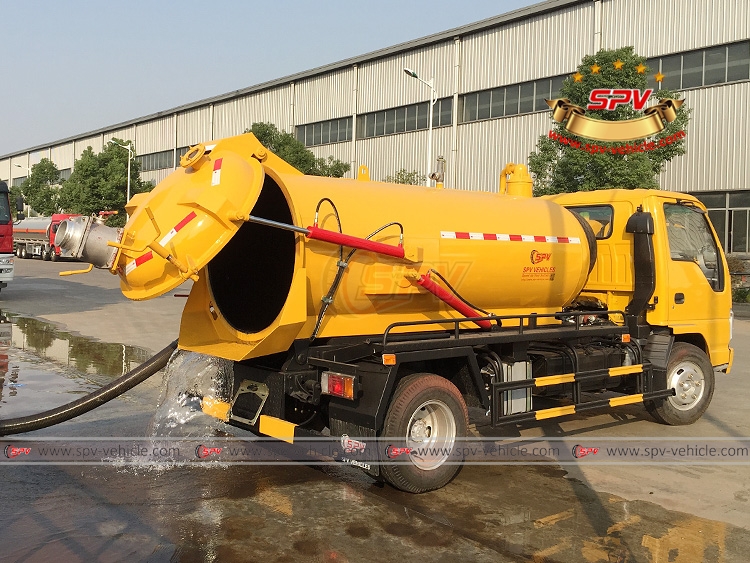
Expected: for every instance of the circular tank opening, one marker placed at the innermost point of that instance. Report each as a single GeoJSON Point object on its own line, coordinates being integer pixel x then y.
{"type": "Point", "coordinates": [251, 276]}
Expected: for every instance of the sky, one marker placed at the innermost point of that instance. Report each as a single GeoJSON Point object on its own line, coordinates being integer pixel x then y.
{"type": "Point", "coordinates": [74, 66]}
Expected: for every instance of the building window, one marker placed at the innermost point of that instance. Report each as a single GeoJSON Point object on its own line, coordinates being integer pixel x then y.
{"type": "Point", "coordinates": [65, 174]}
{"type": "Point", "coordinates": [513, 99]}
{"type": "Point", "coordinates": [325, 132]}
{"type": "Point", "coordinates": [704, 67]}
{"type": "Point", "coordinates": [405, 118]}
{"type": "Point", "coordinates": [18, 181]}
{"type": "Point", "coordinates": [156, 160]}
{"type": "Point", "coordinates": [730, 215]}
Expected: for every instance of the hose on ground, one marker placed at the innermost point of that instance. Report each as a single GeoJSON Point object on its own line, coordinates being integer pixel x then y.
{"type": "Point", "coordinates": [92, 400]}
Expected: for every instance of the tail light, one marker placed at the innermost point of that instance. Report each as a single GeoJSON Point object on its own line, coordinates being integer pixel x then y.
{"type": "Point", "coordinates": [337, 384]}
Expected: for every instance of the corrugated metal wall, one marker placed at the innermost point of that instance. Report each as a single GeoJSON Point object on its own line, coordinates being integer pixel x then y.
{"type": "Point", "coordinates": [234, 116]}
{"type": "Point", "coordinates": [342, 151]}
{"type": "Point", "coordinates": [62, 156]}
{"type": "Point", "coordinates": [124, 133]}
{"type": "Point", "coordinates": [95, 143]}
{"type": "Point", "coordinates": [325, 97]}
{"type": "Point", "coordinates": [386, 155]}
{"type": "Point", "coordinates": [36, 156]}
{"type": "Point", "coordinates": [543, 46]}
{"type": "Point", "coordinates": [193, 127]}
{"type": "Point", "coordinates": [382, 83]}
{"type": "Point", "coordinates": [485, 147]}
{"type": "Point", "coordinates": [156, 176]}
{"type": "Point", "coordinates": [154, 136]}
{"type": "Point", "coordinates": [5, 170]}
{"type": "Point", "coordinates": [656, 27]}
{"type": "Point", "coordinates": [716, 143]}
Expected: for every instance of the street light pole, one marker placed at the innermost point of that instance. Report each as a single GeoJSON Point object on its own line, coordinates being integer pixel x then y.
{"type": "Point", "coordinates": [433, 99]}
{"type": "Point", "coordinates": [130, 156]}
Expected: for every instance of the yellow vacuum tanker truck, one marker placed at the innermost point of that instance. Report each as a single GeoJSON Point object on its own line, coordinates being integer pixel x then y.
{"type": "Point", "coordinates": [367, 309]}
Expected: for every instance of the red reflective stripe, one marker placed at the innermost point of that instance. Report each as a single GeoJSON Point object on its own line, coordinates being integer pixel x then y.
{"type": "Point", "coordinates": [516, 238]}
{"type": "Point", "coordinates": [186, 220]}
{"type": "Point", "coordinates": [144, 258]}
{"type": "Point", "coordinates": [462, 235]}
{"type": "Point", "coordinates": [539, 239]}
{"type": "Point", "coordinates": [563, 239]}
{"type": "Point", "coordinates": [488, 236]}
{"type": "Point", "coordinates": [217, 164]}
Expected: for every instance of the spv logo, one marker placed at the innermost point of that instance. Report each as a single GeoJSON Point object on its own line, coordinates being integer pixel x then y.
{"type": "Point", "coordinates": [538, 257]}
{"type": "Point", "coordinates": [609, 99]}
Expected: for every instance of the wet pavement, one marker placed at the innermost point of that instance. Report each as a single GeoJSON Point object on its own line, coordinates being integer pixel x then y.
{"type": "Point", "coordinates": [217, 512]}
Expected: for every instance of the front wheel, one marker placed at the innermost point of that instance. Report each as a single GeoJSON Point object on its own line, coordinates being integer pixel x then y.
{"type": "Point", "coordinates": [691, 375]}
{"type": "Point", "coordinates": [425, 419]}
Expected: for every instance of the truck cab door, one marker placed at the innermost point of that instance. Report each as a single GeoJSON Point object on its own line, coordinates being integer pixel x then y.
{"type": "Point", "coordinates": [697, 295]}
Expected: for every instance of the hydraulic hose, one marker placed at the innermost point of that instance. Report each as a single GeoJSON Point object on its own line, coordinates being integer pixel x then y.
{"type": "Point", "coordinates": [90, 401]}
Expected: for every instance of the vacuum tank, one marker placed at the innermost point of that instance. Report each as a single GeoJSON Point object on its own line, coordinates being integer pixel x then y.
{"type": "Point", "coordinates": [262, 242]}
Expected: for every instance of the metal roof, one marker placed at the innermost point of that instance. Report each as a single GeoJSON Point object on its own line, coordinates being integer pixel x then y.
{"type": "Point", "coordinates": [489, 23]}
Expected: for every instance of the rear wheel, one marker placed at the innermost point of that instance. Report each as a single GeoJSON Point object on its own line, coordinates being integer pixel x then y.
{"type": "Point", "coordinates": [46, 255]}
{"type": "Point", "coordinates": [54, 256]}
{"type": "Point", "coordinates": [427, 413]}
{"type": "Point", "coordinates": [691, 375]}
{"type": "Point", "coordinates": [23, 253]}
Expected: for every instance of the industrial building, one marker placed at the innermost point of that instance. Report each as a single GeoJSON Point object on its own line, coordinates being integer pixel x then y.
{"type": "Point", "coordinates": [490, 79]}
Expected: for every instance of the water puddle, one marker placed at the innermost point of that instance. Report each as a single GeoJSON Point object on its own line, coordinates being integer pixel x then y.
{"type": "Point", "coordinates": [41, 366]}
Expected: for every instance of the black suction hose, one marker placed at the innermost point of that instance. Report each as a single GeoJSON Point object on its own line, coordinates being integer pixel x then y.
{"type": "Point", "coordinates": [90, 401]}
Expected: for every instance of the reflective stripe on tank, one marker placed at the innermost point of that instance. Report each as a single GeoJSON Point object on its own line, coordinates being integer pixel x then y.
{"type": "Point", "coordinates": [165, 239]}
{"type": "Point", "coordinates": [459, 235]}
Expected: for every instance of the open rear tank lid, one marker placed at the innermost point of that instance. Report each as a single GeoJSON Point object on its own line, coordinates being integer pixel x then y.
{"type": "Point", "coordinates": [177, 228]}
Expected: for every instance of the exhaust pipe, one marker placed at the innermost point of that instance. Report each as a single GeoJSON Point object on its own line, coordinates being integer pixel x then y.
{"type": "Point", "coordinates": [86, 239]}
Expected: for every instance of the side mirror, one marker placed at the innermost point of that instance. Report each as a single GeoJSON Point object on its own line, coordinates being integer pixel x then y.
{"type": "Point", "coordinates": [19, 204]}
{"type": "Point", "coordinates": [20, 216]}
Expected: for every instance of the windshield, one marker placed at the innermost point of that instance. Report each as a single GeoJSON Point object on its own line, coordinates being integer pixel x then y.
{"type": "Point", "coordinates": [4, 209]}
{"type": "Point", "coordinates": [691, 240]}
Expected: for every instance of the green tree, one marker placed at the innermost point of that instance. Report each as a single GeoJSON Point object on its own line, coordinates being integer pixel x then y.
{"type": "Point", "coordinates": [41, 189]}
{"type": "Point", "coordinates": [562, 168]}
{"type": "Point", "coordinates": [288, 148]}
{"type": "Point", "coordinates": [403, 177]}
{"type": "Point", "coordinates": [99, 182]}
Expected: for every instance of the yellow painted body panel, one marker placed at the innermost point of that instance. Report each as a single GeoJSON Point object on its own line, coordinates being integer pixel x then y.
{"type": "Point", "coordinates": [453, 232]}
{"type": "Point", "coordinates": [704, 315]}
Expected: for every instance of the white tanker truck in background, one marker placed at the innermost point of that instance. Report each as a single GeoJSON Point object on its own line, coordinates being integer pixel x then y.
{"type": "Point", "coordinates": [35, 236]}
{"type": "Point", "coordinates": [363, 309]}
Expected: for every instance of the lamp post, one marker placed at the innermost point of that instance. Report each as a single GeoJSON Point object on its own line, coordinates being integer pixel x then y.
{"type": "Point", "coordinates": [433, 99]}
{"type": "Point", "coordinates": [130, 156]}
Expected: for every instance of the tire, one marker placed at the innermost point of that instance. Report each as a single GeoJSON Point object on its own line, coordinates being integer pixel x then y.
{"type": "Point", "coordinates": [23, 253]}
{"type": "Point", "coordinates": [54, 256]}
{"type": "Point", "coordinates": [426, 411]}
{"type": "Point", "coordinates": [47, 255]}
{"type": "Point", "coordinates": [691, 374]}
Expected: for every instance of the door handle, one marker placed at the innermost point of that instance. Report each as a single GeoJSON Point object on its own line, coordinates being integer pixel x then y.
{"type": "Point", "coordinates": [679, 298]}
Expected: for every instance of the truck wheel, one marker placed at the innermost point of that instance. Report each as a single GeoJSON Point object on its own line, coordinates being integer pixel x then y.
{"type": "Point", "coordinates": [46, 255]}
{"type": "Point", "coordinates": [54, 256]}
{"type": "Point", "coordinates": [23, 253]}
{"type": "Point", "coordinates": [691, 374]}
{"type": "Point", "coordinates": [427, 411]}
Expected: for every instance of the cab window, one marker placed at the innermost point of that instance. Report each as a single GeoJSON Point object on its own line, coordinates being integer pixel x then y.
{"type": "Point", "coordinates": [599, 217]}
{"type": "Point", "coordinates": [691, 240]}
